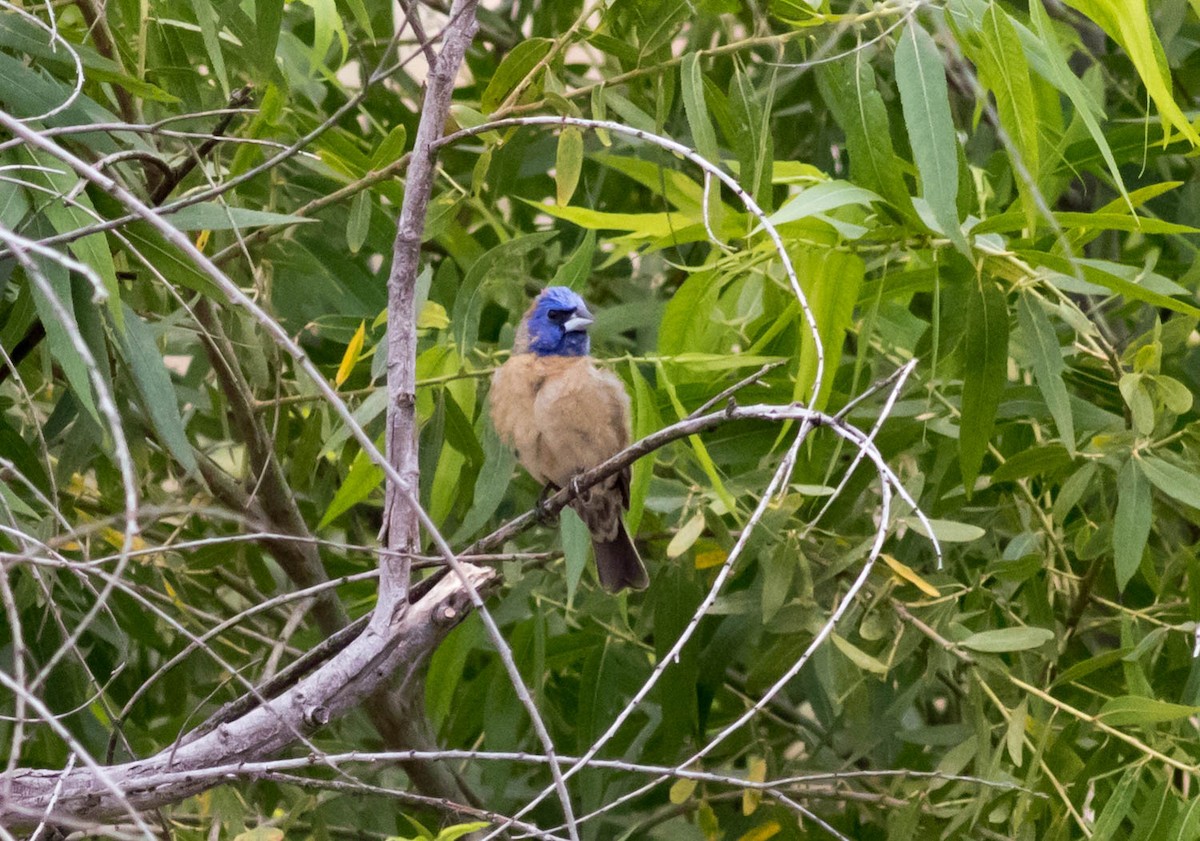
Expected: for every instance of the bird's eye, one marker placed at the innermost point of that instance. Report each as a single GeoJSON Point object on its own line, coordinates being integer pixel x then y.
{"type": "Point", "coordinates": [559, 316]}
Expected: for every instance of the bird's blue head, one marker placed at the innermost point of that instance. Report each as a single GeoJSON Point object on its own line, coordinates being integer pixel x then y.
{"type": "Point", "coordinates": [556, 324]}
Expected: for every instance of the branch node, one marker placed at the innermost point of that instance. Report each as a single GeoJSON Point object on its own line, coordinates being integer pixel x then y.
{"type": "Point", "coordinates": [317, 716]}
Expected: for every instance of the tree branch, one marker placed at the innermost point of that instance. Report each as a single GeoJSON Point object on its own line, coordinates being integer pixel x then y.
{"type": "Point", "coordinates": [400, 520]}
{"type": "Point", "coordinates": [338, 686]}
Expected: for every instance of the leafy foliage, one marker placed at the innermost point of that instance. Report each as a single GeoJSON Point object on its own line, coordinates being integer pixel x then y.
{"type": "Point", "coordinates": [1010, 216]}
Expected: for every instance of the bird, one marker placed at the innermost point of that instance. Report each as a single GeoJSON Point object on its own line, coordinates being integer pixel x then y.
{"type": "Point", "coordinates": [563, 415]}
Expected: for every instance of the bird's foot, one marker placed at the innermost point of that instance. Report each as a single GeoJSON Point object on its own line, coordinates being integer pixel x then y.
{"type": "Point", "coordinates": [544, 515]}
{"type": "Point", "coordinates": [582, 494]}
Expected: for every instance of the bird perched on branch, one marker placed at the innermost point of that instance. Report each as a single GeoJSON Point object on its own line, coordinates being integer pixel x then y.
{"type": "Point", "coordinates": [563, 415]}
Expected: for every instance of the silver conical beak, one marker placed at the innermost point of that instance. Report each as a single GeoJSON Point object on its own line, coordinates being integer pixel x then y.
{"type": "Point", "coordinates": [580, 321]}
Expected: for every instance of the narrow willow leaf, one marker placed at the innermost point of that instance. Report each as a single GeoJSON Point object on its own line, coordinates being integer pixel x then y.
{"type": "Point", "coordinates": [214, 216]}
{"type": "Point", "coordinates": [154, 385]}
{"type": "Point", "coordinates": [1073, 491]}
{"type": "Point", "coordinates": [1135, 709]}
{"type": "Point", "coordinates": [1014, 737]}
{"type": "Point", "coordinates": [1007, 639]}
{"type": "Point", "coordinates": [1005, 71]}
{"type": "Point", "coordinates": [1104, 274]}
{"type": "Point", "coordinates": [1116, 808]}
{"type": "Point", "coordinates": [831, 280]}
{"type": "Point", "coordinates": [946, 531]}
{"type": "Point", "coordinates": [210, 26]}
{"type": "Point", "coordinates": [645, 420]}
{"type": "Point", "coordinates": [688, 534]}
{"type": "Point", "coordinates": [490, 486]}
{"type": "Point", "coordinates": [985, 365]}
{"type": "Point", "coordinates": [1128, 23]}
{"type": "Point", "coordinates": [1137, 396]}
{"type": "Point", "coordinates": [820, 198]}
{"type": "Point", "coordinates": [351, 356]}
{"type": "Point", "coordinates": [390, 148]}
{"type": "Point", "coordinates": [910, 575]}
{"type": "Point", "coordinates": [1179, 484]}
{"type": "Point", "coordinates": [361, 16]}
{"type": "Point", "coordinates": [359, 222]}
{"type": "Point", "coordinates": [575, 271]}
{"type": "Point", "coordinates": [1131, 525]}
{"type": "Point", "coordinates": [757, 773]}
{"type": "Point", "coordinates": [850, 92]}
{"type": "Point", "coordinates": [59, 333]}
{"type": "Point", "coordinates": [857, 656]}
{"type": "Point", "coordinates": [696, 109]}
{"type": "Point", "coordinates": [1063, 78]}
{"type": "Point", "coordinates": [568, 163]}
{"type": "Point", "coordinates": [453, 833]}
{"type": "Point", "coordinates": [576, 542]}
{"type": "Point", "coordinates": [518, 64]}
{"type": "Point", "coordinates": [921, 77]}
{"type": "Point", "coordinates": [1048, 365]}
{"type": "Point", "coordinates": [681, 790]}
{"type": "Point", "coordinates": [361, 480]}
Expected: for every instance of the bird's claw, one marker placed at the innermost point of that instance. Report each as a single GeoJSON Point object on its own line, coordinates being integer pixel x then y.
{"type": "Point", "coordinates": [544, 515]}
{"type": "Point", "coordinates": [577, 491]}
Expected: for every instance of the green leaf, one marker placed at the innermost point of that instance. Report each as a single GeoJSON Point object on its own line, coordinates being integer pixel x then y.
{"type": "Point", "coordinates": [157, 392]}
{"type": "Point", "coordinates": [1063, 77]}
{"type": "Point", "coordinates": [721, 362]}
{"type": "Point", "coordinates": [696, 108]}
{"type": "Point", "coordinates": [830, 280]}
{"type": "Point", "coordinates": [518, 64]}
{"type": "Point", "coordinates": [1048, 365]}
{"type": "Point", "coordinates": [1116, 807]}
{"type": "Point", "coordinates": [639, 225]}
{"type": "Point", "coordinates": [568, 163]}
{"type": "Point", "coordinates": [575, 271]}
{"type": "Point", "coordinates": [1046, 460]}
{"type": "Point", "coordinates": [491, 485]}
{"type": "Point", "coordinates": [1008, 639]}
{"type": "Point", "coordinates": [92, 249]}
{"type": "Point", "coordinates": [1179, 484]}
{"type": "Point", "coordinates": [359, 222]}
{"type": "Point", "coordinates": [850, 91]}
{"type": "Point", "coordinates": [213, 216]}
{"type": "Point", "coordinates": [697, 444]}
{"type": "Point", "coordinates": [820, 198]}
{"type": "Point", "coordinates": [447, 667]}
{"type": "Point", "coordinates": [857, 656]}
{"type": "Point", "coordinates": [391, 148]}
{"type": "Point", "coordinates": [576, 542]}
{"type": "Point", "coordinates": [645, 420]}
{"type": "Point", "coordinates": [1128, 23]}
{"type": "Point", "coordinates": [921, 78]}
{"type": "Point", "coordinates": [1137, 396]}
{"type": "Point", "coordinates": [985, 367]}
{"type": "Point", "coordinates": [453, 833]}
{"type": "Point", "coordinates": [59, 334]}
{"type": "Point", "coordinates": [1131, 525]}
{"type": "Point", "coordinates": [361, 16]}
{"type": "Point", "coordinates": [210, 26]}
{"type": "Point", "coordinates": [1004, 70]}
{"type": "Point", "coordinates": [687, 535]}
{"type": "Point", "coordinates": [268, 19]}
{"type": "Point", "coordinates": [1135, 709]}
{"type": "Point", "coordinates": [946, 531]}
{"type": "Point", "coordinates": [360, 482]}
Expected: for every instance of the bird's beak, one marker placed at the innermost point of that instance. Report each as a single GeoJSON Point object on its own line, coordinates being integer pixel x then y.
{"type": "Point", "coordinates": [579, 321]}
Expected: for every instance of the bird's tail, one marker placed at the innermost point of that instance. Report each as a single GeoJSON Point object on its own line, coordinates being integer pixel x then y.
{"type": "Point", "coordinates": [618, 563]}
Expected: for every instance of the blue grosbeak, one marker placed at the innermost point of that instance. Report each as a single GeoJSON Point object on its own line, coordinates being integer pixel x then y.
{"type": "Point", "coordinates": [563, 415]}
